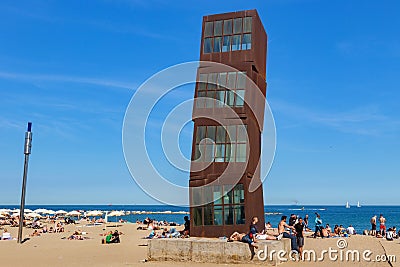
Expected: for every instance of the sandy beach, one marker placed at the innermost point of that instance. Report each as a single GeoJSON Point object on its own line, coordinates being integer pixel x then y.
{"type": "Point", "coordinates": [51, 250]}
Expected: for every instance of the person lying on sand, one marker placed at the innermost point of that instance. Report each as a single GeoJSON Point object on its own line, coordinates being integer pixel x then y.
{"type": "Point", "coordinates": [35, 233]}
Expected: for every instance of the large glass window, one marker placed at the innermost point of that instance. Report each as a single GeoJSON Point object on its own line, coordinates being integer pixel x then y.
{"type": "Point", "coordinates": [197, 216]}
{"type": "Point", "coordinates": [208, 30]}
{"type": "Point", "coordinates": [207, 45]}
{"type": "Point", "coordinates": [228, 35]}
{"type": "Point", "coordinates": [218, 215]}
{"type": "Point", "coordinates": [215, 86]}
{"type": "Point", "coordinates": [227, 26]}
{"type": "Point", "coordinates": [227, 44]}
{"type": "Point", "coordinates": [221, 144]}
{"type": "Point", "coordinates": [246, 44]}
{"type": "Point", "coordinates": [217, 44]}
{"type": "Point", "coordinates": [208, 214]}
{"type": "Point", "coordinates": [227, 207]}
{"type": "Point", "coordinates": [218, 28]}
{"type": "Point", "coordinates": [247, 24]}
{"type": "Point", "coordinates": [236, 42]}
{"type": "Point", "coordinates": [237, 25]}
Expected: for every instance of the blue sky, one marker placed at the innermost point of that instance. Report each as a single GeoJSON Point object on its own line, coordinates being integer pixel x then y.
{"type": "Point", "coordinates": [71, 67]}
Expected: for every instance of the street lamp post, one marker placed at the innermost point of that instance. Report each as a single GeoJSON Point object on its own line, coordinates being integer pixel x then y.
{"type": "Point", "coordinates": [27, 152]}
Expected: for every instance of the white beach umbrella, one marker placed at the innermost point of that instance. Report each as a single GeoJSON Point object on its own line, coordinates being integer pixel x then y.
{"type": "Point", "coordinates": [74, 213]}
{"type": "Point", "coordinates": [40, 210]}
{"type": "Point", "coordinates": [60, 212]}
{"type": "Point", "coordinates": [33, 215]}
{"type": "Point", "coordinates": [15, 211]}
{"type": "Point", "coordinates": [28, 210]}
{"type": "Point", "coordinates": [116, 213]}
{"type": "Point", "coordinates": [4, 211]}
{"type": "Point", "coordinates": [94, 213]}
{"type": "Point", "coordinates": [49, 212]}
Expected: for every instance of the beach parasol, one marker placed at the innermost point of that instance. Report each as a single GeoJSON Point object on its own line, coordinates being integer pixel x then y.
{"type": "Point", "coordinates": [60, 212]}
{"type": "Point", "coordinates": [94, 213]}
{"type": "Point", "coordinates": [74, 213]}
{"type": "Point", "coordinates": [33, 215]}
{"type": "Point", "coordinates": [117, 214]}
{"type": "Point", "coordinates": [40, 210]}
{"type": "Point", "coordinates": [49, 212]}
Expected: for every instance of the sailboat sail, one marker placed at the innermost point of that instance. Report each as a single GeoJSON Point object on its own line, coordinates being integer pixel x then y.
{"type": "Point", "coordinates": [347, 205]}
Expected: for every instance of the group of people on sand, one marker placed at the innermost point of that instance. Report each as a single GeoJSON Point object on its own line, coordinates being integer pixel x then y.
{"type": "Point", "coordinates": [390, 234]}
{"type": "Point", "coordinates": [293, 229]}
{"type": "Point", "coordinates": [253, 235]}
{"type": "Point", "coordinates": [168, 233]}
{"type": "Point", "coordinates": [112, 237]}
{"type": "Point", "coordinates": [326, 231]}
{"type": "Point", "coordinates": [151, 224]}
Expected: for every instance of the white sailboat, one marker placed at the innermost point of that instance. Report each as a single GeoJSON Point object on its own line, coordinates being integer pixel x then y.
{"type": "Point", "coordinates": [347, 205]}
{"type": "Point", "coordinates": [358, 204]}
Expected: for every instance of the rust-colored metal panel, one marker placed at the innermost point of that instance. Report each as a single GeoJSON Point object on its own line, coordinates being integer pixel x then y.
{"type": "Point", "coordinates": [252, 61]}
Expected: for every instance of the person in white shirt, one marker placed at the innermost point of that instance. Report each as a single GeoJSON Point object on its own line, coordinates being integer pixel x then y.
{"type": "Point", "coordinates": [389, 234]}
{"type": "Point", "coordinates": [351, 230]}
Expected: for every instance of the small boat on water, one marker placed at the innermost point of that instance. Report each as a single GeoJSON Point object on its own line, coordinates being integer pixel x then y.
{"type": "Point", "coordinates": [358, 204]}
{"type": "Point", "coordinates": [347, 205]}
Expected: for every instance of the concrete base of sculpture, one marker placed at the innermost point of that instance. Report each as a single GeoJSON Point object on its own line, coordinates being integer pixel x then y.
{"type": "Point", "coordinates": [214, 250]}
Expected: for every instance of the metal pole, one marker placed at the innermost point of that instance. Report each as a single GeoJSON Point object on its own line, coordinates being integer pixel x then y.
{"type": "Point", "coordinates": [27, 152]}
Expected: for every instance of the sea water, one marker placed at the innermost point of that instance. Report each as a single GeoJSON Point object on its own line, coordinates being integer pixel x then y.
{"type": "Point", "coordinates": [358, 217]}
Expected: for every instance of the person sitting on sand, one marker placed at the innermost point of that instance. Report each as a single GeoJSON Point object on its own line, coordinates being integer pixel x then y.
{"type": "Point", "coordinates": [325, 232]}
{"type": "Point", "coordinates": [394, 230]}
{"type": "Point", "coordinates": [350, 230]}
{"type": "Point", "coordinates": [114, 237]}
{"type": "Point", "coordinates": [336, 230]}
{"type": "Point", "coordinates": [6, 235]}
{"type": "Point", "coordinates": [245, 238]}
{"type": "Point", "coordinates": [59, 228]}
{"type": "Point", "coordinates": [389, 234]}
{"type": "Point", "coordinates": [186, 231]}
{"type": "Point", "coordinates": [108, 237]}
{"type": "Point", "coordinates": [342, 231]}
{"type": "Point", "coordinates": [268, 225]}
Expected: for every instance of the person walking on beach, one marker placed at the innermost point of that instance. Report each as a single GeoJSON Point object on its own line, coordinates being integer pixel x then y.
{"type": "Point", "coordinates": [373, 226]}
{"type": "Point", "coordinates": [318, 226]}
{"type": "Point", "coordinates": [382, 226]}
{"type": "Point", "coordinates": [306, 222]}
{"type": "Point", "coordinates": [282, 232]}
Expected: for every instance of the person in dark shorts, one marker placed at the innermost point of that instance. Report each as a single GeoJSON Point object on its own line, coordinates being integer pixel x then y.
{"type": "Point", "coordinates": [373, 226]}
{"type": "Point", "coordinates": [299, 227]}
{"type": "Point", "coordinates": [318, 226]}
